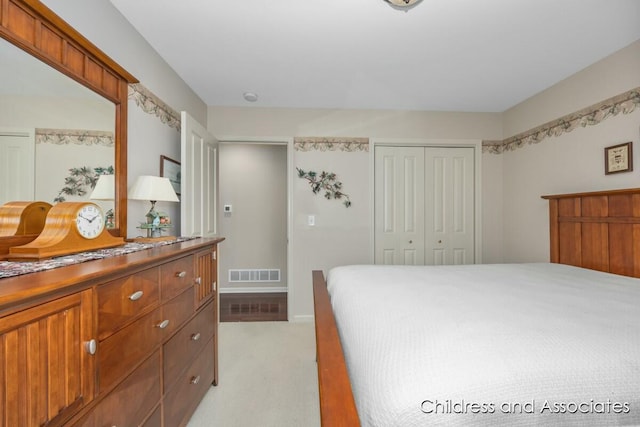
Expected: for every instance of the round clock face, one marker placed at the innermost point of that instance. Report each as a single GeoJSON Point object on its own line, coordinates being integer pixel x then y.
{"type": "Point", "coordinates": [90, 221]}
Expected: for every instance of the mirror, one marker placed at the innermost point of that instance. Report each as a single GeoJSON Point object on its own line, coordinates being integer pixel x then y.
{"type": "Point", "coordinates": [93, 79]}
{"type": "Point", "coordinates": [56, 135]}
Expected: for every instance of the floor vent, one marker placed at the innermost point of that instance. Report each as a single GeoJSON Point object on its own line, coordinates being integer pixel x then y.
{"type": "Point", "coordinates": [253, 307]}
{"type": "Point", "coordinates": [254, 275]}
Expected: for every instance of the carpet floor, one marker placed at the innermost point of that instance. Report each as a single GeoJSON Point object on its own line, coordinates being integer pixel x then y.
{"type": "Point", "coordinates": [268, 377]}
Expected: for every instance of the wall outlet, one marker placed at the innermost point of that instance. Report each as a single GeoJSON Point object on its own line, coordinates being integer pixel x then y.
{"type": "Point", "coordinates": [227, 208]}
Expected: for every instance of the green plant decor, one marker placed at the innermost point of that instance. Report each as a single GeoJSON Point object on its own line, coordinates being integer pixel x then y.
{"type": "Point", "coordinates": [81, 180]}
{"type": "Point", "coordinates": [325, 181]}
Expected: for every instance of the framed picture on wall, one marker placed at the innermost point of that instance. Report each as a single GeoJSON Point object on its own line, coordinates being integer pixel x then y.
{"type": "Point", "coordinates": [618, 158]}
{"type": "Point", "coordinates": [170, 168]}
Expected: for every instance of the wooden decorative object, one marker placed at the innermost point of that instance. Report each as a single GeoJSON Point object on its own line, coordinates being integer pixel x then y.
{"type": "Point", "coordinates": [20, 223]}
{"type": "Point", "coordinates": [22, 218]}
{"type": "Point", "coordinates": [64, 233]}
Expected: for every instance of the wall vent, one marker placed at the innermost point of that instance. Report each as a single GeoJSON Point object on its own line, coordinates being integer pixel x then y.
{"type": "Point", "coordinates": [254, 275]}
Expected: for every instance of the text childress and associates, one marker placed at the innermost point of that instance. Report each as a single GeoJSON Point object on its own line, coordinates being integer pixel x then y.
{"type": "Point", "coordinates": [529, 407]}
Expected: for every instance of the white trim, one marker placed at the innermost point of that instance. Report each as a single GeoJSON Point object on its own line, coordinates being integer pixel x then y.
{"type": "Point", "coordinates": [476, 144]}
{"type": "Point", "coordinates": [249, 290]}
{"type": "Point", "coordinates": [303, 318]}
{"type": "Point", "coordinates": [288, 141]}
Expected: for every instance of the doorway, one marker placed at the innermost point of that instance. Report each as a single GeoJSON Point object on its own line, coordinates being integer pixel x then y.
{"type": "Point", "coordinates": [254, 220]}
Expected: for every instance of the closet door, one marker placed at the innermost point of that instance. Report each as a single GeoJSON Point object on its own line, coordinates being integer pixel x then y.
{"type": "Point", "coordinates": [424, 205]}
{"type": "Point", "coordinates": [399, 205]}
{"type": "Point", "coordinates": [449, 205]}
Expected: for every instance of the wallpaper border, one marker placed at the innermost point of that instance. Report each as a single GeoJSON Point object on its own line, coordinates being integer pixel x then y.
{"type": "Point", "coordinates": [315, 143]}
{"type": "Point", "coordinates": [624, 103]}
{"type": "Point", "coordinates": [151, 104]}
{"type": "Point", "coordinates": [74, 136]}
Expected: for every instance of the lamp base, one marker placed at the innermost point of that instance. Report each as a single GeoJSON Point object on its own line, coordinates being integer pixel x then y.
{"type": "Point", "coordinates": [151, 239]}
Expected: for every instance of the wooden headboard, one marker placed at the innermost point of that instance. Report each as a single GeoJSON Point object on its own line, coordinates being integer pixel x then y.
{"type": "Point", "coordinates": [598, 230]}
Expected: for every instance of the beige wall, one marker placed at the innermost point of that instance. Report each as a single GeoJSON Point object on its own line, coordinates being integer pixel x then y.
{"type": "Point", "coordinates": [148, 137]}
{"type": "Point", "coordinates": [344, 235]}
{"type": "Point", "coordinates": [572, 162]}
{"type": "Point", "coordinates": [254, 182]}
{"type": "Point", "coordinates": [611, 76]}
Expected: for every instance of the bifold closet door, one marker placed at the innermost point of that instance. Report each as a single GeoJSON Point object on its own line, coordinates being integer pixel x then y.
{"type": "Point", "coordinates": [424, 205]}
{"type": "Point", "coordinates": [399, 205]}
{"type": "Point", "coordinates": [449, 205]}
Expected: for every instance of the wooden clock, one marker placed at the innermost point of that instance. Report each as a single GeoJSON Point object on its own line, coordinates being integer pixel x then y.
{"type": "Point", "coordinates": [20, 223]}
{"type": "Point", "coordinates": [70, 227]}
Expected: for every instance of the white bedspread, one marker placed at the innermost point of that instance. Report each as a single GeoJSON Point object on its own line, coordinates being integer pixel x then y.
{"type": "Point", "coordinates": [506, 345]}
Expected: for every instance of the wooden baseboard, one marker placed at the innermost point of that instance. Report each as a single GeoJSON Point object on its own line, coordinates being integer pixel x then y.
{"type": "Point", "coordinates": [253, 307]}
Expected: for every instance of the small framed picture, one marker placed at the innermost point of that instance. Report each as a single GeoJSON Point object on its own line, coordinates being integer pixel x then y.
{"type": "Point", "coordinates": [618, 158]}
{"type": "Point", "coordinates": [170, 168]}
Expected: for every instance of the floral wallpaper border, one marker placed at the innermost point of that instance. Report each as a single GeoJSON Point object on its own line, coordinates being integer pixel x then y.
{"type": "Point", "coordinates": [312, 143]}
{"type": "Point", "coordinates": [624, 103]}
{"type": "Point", "coordinates": [151, 104]}
{"type": "Point", "coordinates": [74, 136]}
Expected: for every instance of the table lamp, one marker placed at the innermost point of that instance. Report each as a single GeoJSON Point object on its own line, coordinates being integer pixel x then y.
{"type": "Point", "coordinates": [154, 189]}
{"type": "Point", "coordinates": [105, 190]}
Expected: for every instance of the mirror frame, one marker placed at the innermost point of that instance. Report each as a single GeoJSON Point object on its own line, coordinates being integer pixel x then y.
{"type": "Point", "coordinates": [37, 30]}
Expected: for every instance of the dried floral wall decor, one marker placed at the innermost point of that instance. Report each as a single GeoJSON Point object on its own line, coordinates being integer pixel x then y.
{"type": "Point", "coordinates": [327, 182]}
{"type": "Point", "coordinates": [81, 180]}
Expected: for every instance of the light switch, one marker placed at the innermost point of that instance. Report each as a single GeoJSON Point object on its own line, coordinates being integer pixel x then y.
{"type": "Point", "coordinates": [311, 220]}
{"type": "Point", "coordinates": [228, 208]}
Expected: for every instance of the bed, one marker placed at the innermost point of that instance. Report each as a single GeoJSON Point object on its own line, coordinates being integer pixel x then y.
{"type": "Point", "coordinates": [515, 344]}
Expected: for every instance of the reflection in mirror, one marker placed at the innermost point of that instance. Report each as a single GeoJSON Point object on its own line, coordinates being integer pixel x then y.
{"type": "Point", "coordinates": [56, 135]}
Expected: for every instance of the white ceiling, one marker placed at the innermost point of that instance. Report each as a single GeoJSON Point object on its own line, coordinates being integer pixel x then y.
{"type": "Point", "coordinates": [445, 55]}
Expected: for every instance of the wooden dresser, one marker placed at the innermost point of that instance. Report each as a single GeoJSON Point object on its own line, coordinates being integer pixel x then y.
{"type": "Point", "coordinates": [124, 341]}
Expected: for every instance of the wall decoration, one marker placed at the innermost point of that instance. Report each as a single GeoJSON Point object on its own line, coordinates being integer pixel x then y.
{"type": "Point", "coordinates": [325, 181]}
{"type": "Point", "coordinates": [618, 158]}
{"type": "Point", "coordinates": [624, 103]}
{"type": "Point", "coordinates": [74, 136]}
{"type": "Point", "coordinates": [151, 104]}
{"type": "Point", "coordinates": [170, 168]}
{"type": "Point", "coordinates": [81, 180]}
{"type": "Point", "coordinates": [313, 143]}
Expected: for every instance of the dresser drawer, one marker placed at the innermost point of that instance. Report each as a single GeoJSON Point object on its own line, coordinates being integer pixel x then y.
{"type": "Point", "coordinates": [180, 350]}
{"type": "Point", "coordinates": [177, 311]}
{"type": "Point", "coordinates": [118, 354]}
{"type": "Point", "coordinates": [184, 396]}
{"type": "Point", "coordinates": [175, 276]}
{"type": "Point", "coordinates": [132, 401]}
{"type": "Point", "coordinates": [120, 301]}
{"type": "Point", "coordinates": [155, 420]}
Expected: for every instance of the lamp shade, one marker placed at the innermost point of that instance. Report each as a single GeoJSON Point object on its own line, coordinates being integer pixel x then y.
{"type": "Point", "coordinates": [104, 189]}
{"type": "Point", "coordinates": [152, 188]}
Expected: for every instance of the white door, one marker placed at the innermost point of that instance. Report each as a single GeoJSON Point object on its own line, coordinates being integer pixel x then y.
{"type": "Point", "coordinates": [17, 164]}
{"type": "Point", "coordinates": [449, 205]}
{"type": "Point", "coordinates": [424, 205]}
{"type": "Point", "coordinates": [399, 205]}
{"type": "Point", "coordinates": [199, 181]}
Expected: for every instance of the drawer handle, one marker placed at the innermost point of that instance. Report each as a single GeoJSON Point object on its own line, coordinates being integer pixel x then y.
{"type": "Point", "coordinates": [163, 324]}
{"type": "Point", "coordinates": [136, 295]}
{"type": "Point", "coordinates": [195, 337]}
{"type": "Point", "coordinates": [91, 347]}
{"type": "Point", "coordinates": [198, 280]}
{"type": "Point", "coordinates": [195, 380]}
{"type": "Point", "coordinates": [181, 274]}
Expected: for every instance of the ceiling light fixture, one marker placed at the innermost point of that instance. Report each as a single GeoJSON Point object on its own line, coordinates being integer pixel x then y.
{"type": "Point", "coordinates": [250, 96]}
{"type": "Point", "coordinates": [403, 4]}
